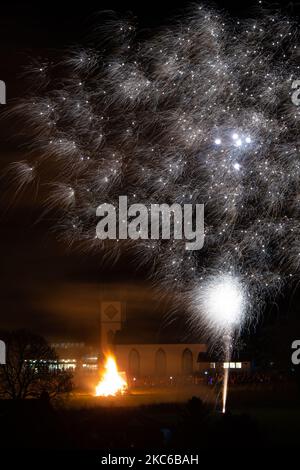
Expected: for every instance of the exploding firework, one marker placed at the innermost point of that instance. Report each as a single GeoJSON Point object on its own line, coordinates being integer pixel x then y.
{"type": "Point", "coordinates": [222, 302]}
{"type": "Point", "coordinates": [200, 112]}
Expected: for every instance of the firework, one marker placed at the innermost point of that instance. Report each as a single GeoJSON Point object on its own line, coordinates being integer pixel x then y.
{"type": "Point", "coordinates": [221, 302]}
{"type": "Point", "coordinates": [199, 113]}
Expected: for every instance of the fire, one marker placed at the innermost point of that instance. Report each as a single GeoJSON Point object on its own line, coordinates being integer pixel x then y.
{"type": "Point", "coordinates": [112, 381]}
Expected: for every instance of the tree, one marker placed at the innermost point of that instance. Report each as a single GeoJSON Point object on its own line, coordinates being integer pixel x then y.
{"type": "Point", "coordinates": [31, 368]}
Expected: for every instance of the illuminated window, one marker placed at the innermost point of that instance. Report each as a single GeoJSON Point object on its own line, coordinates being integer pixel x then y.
{"type": "Point", "coordinates": [90, 366]}
{"type": "Point", "coordinates": [238, 365]}
{"type": "Point", "coordinates": [232, 365]}
{"type": "Point", "coordinates": [212, 365]}
{"type": "Point", "coordinates": [226, 365]}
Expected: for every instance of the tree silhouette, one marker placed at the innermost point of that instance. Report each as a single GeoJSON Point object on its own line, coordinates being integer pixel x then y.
{"type": "Point", "coordinates": [31, 368]}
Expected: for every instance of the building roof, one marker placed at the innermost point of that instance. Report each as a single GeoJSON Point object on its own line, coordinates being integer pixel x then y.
{"type": "Point", "coordinates": [211, 356]}
{"type": "Point", "coordinates": [172, 333]}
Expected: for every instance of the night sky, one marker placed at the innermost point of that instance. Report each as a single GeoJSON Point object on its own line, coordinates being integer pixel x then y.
{"type": "Point", "coordinates": [45, 287]}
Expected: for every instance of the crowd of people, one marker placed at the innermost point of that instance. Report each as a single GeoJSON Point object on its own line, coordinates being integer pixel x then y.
{"type": "Point", "coordinates": [213, 378]}
{"type": "Point", "coordinates": [247, 378]}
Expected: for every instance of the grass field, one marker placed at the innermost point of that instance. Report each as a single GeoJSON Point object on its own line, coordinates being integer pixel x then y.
{"type": "Point", "coordinates": [143, 396]}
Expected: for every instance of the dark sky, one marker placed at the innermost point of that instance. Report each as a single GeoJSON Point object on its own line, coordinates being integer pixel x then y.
{"type": "Point", "coordinates": [43, 286]}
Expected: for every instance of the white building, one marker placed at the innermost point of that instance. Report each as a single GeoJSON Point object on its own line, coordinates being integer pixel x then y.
{"type": "Point", "coordinates": [145, 359]}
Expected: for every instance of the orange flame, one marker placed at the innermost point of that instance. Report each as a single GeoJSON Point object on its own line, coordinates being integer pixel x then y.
{"type": "Point", "coordinates": [112, 381]}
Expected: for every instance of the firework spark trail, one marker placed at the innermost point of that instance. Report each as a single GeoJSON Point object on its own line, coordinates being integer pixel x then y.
{"type": "Point", "coordinates": [200, 112]}
{"type": "Point", "coordinates": [225, 381]}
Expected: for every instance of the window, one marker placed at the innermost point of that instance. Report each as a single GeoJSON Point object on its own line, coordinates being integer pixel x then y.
{"type": "Point", "coordinates": [134, 363]}
{"type": "Point", "coordinates": [232, 365]}
{"type": "Point", "coordinates": [160, 363]}
{"type": "Point", "coordinates": [187, 362]}
{"type": "Point", "coordinates": [110, 337]}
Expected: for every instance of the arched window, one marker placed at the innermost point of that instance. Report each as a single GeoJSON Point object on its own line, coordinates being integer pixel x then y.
{"type": "Point", "coordinates": [187, 362]}
{"type": "Point", "coordinates": [110, 337]}
{"type": "Point", "coordinates": [160, 363]}
{"type": "Point", "coordinates": [134, 363]}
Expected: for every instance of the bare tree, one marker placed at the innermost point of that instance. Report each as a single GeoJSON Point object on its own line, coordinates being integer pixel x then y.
{"type": "Point", "coordinates": [31, 368]}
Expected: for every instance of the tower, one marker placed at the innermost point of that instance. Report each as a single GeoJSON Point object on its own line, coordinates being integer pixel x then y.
{"type": "Point", "coordinates": [111, 322]}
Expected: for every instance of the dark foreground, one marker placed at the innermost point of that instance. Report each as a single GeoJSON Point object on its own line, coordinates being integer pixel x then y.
{"type": "Point", "coordinates": [254, 419]}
